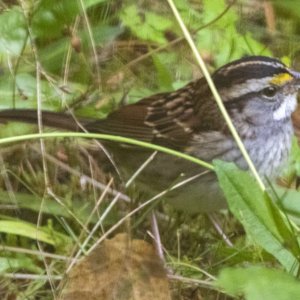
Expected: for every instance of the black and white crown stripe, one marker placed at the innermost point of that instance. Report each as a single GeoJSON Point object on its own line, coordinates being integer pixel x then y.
{"type": "Point", "coordinates": [255, 67]}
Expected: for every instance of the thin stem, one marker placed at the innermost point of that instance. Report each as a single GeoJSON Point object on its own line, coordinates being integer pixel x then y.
{"type": "Point", "coordinates": [215, 93]}
{"type": "Point", "coordinates": [106, 137]}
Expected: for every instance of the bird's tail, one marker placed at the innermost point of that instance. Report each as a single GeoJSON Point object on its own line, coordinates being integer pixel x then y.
{"type": "Point", "coordinates": [50, 119]}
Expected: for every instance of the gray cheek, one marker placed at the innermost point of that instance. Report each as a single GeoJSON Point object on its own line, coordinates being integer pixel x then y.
{"type": "Point", "coordinates": [258, 112]}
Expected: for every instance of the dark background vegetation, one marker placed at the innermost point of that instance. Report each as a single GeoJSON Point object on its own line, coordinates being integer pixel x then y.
{"type": "Point", "coordinates": [90, 57]}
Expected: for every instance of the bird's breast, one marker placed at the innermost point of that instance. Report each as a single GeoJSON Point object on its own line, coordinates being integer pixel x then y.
{"type": "Point", "coordinates": [268, 147]}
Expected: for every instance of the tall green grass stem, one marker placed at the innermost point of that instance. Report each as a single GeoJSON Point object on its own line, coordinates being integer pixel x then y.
{"type": "Point", "coordinates": [215, 93]}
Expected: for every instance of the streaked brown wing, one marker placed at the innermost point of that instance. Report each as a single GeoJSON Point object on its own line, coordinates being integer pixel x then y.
{"type": "Point", "coordinates": [167, 118]}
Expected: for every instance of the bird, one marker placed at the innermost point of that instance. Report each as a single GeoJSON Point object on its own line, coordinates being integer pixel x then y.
{"type": "Point", "coordinates": [259, 94]}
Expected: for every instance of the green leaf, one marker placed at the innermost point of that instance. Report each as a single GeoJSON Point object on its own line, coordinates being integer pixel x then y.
{"type": "Point", "coordinates": [42, 234]}
{"type": "Point", "coordinates": [53, 54]}
{"type": "Point", "coordinates": [12, 31]}
{"type": "Point", "coordinates": [146, 26]}
{"type": "Point", "coordinates": [89, 3]}
{"type": "Point", "coordinates": [260, 217]}
{"type": "Point", "coordinates": [164, 75]}
{"type": "Point", "coordinates": [53, 208]}
{"type": "Point", "coordinates": [259, 283]}
{"type": "Point", "coordinates": [289, 200]}
{"type": "Point", "coordinates": [289, 7]}
{"type": "Point", "coordinates": [51, 16]}
{"type": "Point", "coordinates": [8, 264]}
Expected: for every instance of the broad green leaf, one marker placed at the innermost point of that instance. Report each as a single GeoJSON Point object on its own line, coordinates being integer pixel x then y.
{"type": "Point", "coordinates": [12, 31]}
{"type": "Point", "coordinates": [51, 16]}
{"type": "Point", "coordinates": [289, 201]}
{"type": "Point", "coordinates": [260, 217]}
{"type": "Point", "coordinates": [259, 283]}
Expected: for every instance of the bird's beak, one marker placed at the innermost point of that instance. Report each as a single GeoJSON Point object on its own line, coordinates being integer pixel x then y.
{"type": "Point", "coordinates": [296, 76]}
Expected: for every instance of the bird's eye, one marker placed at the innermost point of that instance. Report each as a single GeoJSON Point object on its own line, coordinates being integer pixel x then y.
{"type": "Point", "coordinates": [269, 91]}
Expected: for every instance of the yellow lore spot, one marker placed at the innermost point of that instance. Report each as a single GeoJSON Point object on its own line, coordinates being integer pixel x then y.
{"type": "Point", "coordinates": [281, 79]}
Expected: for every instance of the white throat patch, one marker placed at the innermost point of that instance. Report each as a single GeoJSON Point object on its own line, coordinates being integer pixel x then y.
{"type": "Point", "coordinates": [286, 108]}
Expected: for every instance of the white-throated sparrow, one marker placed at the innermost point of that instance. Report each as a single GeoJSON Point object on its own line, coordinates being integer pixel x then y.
{"type": "Point", "coordinates": [258, 92]}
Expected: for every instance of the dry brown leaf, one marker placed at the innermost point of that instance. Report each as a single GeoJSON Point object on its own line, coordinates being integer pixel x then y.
{"type": "Point", "coordinates": [118, 269]}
